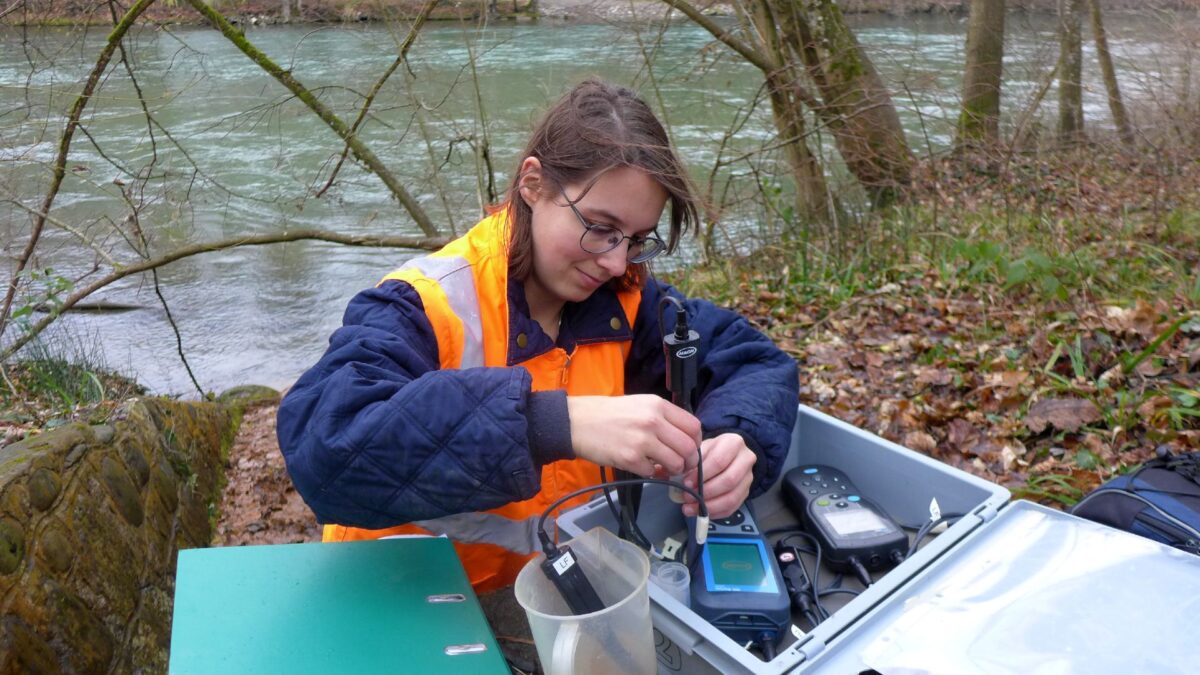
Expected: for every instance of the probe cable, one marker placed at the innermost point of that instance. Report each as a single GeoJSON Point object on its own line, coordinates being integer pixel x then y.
{"type": "Point", "coordinates": [927, 527]}
{"type": "Point", "coordinates": [813, 592]}
{"type": "Point", "coordinates": [701, 522]}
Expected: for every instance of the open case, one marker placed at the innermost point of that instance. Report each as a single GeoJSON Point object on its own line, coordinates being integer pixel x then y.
{"type": "Point", "coordinates": [1008, 587]}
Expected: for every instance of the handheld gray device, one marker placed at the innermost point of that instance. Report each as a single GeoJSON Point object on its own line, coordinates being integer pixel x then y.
{"type": "Point", "coordinates": [855, 534]}
{"type": "Point", "coordinates": [738, 587]}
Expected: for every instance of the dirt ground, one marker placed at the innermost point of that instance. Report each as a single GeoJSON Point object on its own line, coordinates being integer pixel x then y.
{"type": "Point", "coordinates": [259, 505]}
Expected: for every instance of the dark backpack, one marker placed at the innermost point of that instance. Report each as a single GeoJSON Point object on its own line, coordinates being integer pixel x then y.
{"type": "Point", "coordinates": [1160, 500]}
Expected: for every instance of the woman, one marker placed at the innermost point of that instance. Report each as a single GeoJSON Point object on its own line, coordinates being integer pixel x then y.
{"type": "Point", "coordinates": [474, 386]}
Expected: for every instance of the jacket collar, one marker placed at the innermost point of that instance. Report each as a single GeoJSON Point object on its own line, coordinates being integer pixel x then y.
{"type": "Point", "coordinates": [600, 318]}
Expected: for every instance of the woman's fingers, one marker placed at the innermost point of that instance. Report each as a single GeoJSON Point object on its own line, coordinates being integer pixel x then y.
{"type": "Point", "coordinates": [633, 433]}
{"type": "Point", "coordinates": [728, 474]}
{"type": "Point", "coordinates": [645, 434]}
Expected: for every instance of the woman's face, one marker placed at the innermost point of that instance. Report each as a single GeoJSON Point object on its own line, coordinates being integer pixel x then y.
{"type": "Point", "coordinates": [624, 198]}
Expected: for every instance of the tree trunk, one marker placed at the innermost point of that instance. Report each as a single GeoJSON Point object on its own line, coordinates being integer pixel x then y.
{"type": "Point", "coordinates": [1104, 56]}
{"type": "Point", "coordinates": [854, 101]}
{"type": "Point", "coordinates": [287, 11]}
{"type": "Point", "coordinates": [812, 194]}
{"type": "Point", "coordinates": [1070, 72]}
{"type": "Point", "coordinates": [979, 121]}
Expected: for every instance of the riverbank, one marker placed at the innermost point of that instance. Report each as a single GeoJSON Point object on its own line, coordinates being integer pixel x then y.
{"type": "Point", "coordinates": [270, 12]}
{"type": "Point", "coordinates": [1049, 341]}
{"type": "Point", "coordinates": [1031, 319]}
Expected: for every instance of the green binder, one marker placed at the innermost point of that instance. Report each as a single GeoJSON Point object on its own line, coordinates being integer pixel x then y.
{"type": "Point", "coordinates": [392, 605]}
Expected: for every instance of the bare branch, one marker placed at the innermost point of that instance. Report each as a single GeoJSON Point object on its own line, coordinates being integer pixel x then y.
{"type": "Point", "coordinates": [362, 114]}
{"type": "Point", "coordinates": [11, 8]}
{"type": "Point", "coordinates": [162, 299]}
{"type": "Point", "coordinates": [64, 145]}
{"type": "Point", "coordinates": [284, 77]}
{"type": "Point", "coordinates": [423, 243]}
{"type": "Point", "coordinates": [66, 228]}
{"type": "Point", "coordinates": [747, 52]}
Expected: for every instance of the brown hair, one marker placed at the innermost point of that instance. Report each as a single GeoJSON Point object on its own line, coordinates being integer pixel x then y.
{"type": "Point", "coordinates": [595, 127]}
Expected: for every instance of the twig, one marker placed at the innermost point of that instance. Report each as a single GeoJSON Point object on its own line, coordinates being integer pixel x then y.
{"type": "Point", "coordinates": [362, 114]}
{"type": "Point", "coordinates": [67, 228]}
{"type": "Point", "coordinates": [853, 302]}
{"type": "Point", "coordinates": [284, 77]}
{"type": "Point", "coordinates": [424, 243]}
{"type": "Point", "coordinates": [11, 387]}
{"type": "Point", "coordinates": [145, 247]}
{"type": "Point", "coordinates": [178, 337]}
{"type": "Point", "coordinates": [746, 51]}
{"type": "Point", "coordinates": [64, 145]}
{"type": "Point", "coordinates": [485, 176]}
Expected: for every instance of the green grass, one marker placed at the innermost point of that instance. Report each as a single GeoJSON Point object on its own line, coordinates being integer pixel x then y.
{"type": "Point", "coordinates": [1020, 255]}
{"type": "Point", "coordinates": [62, 377]}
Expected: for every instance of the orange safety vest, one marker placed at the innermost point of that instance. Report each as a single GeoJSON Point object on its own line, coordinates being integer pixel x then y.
{"type": "Point", "coordinates": [464, 291]}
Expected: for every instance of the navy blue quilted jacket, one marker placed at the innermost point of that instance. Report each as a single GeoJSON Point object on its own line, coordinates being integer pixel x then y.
{"type": "Point", "coordinates": [375, 435]}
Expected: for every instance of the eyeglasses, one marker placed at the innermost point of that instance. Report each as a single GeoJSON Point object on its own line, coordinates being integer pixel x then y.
{"type": "Point", "coordinates": [599, 238]}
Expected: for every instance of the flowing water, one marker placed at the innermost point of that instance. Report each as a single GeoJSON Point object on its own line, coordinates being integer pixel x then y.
{"type": "Point", "coordinates": [232, 153]}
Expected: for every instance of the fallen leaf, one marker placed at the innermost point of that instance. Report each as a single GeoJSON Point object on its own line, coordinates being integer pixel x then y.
{"type": "Point", "coordinates": [920, 441]}
{"type": "Point", "coordinates": [1148, 410]}
{"type": "Point", "coordinates": [938, 377]}
{"type": "Point", "coordinates": [821, 389]}
{"type": "Point", "coordinates": [1113, 377]}
{"type": "Point", "coordinates": [960, 432]}
{"type": "Point", "coordinates": [1148, 368]}
{"type": "Point", "coordinates": [1009, 379]}
{"type": "Point", "coordinates": [1008, 456]}
{"type": "Point", "coordinates": [826, 355]}
{"type": "Point", "coordinates": [1141, 319]}
{"type": "Point", "coordinates": [1066, 414]}
{"type": "Point", "coordinates": [1102, 449]}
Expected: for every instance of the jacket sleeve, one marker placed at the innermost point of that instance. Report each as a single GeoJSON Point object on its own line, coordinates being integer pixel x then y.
{"type": "Point", "coordinates": [745, 383]}
{"type": "Point", "coordinates": [375, 435]}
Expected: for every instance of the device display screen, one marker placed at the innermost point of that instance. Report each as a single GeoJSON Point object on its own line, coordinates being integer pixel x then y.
{"type": "Point", "coordinates": [737, 566]}
{"type": "Point", "coordinates": [857, 521]}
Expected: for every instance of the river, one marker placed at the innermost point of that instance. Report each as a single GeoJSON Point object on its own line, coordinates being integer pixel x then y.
{"type": "Point", "coordinates": [244, 157]}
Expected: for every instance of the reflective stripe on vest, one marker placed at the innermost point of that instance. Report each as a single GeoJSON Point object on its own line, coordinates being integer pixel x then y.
{"type": "Point", "coordinates": [457, 281]}
{"type": "Point", "coordinates": [454, 276]}
{"type": "Point", "coordinates": [481, 527]}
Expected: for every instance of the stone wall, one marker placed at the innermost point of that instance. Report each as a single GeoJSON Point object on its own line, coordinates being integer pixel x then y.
{"type": "Point", "coordinates": [91, 520]}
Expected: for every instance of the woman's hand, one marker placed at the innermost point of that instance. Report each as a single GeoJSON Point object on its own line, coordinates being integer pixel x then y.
{"type": "Point", "coordinates": [636, 433]}
{"type": "Point", "coordinates": [728, 465]}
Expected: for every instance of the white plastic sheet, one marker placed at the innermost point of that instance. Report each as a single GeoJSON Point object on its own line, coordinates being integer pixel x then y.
{"type": "Point", "coordinates": [1047, 594]}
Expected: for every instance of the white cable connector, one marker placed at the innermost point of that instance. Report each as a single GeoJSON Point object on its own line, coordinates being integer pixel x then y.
{"type": "Point", "coordinates": [670, 548]}
{"type": "Point", "coordinates": [701, 529]}
{"type": "Point", "coordinates": [935, 512]}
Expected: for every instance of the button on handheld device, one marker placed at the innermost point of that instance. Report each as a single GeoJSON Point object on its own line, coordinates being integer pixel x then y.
{"type": "Point", "coordinates": [738, 587]}
{"type": "Point", "coordinates": [852, 529]}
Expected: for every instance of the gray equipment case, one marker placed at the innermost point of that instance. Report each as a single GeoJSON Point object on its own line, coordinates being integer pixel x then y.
{"type": "Point", "coordinates": [1007, 588]}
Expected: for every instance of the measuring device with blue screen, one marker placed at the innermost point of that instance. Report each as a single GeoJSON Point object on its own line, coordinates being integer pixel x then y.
{"type": "Point", "coordinates": [738, 587]}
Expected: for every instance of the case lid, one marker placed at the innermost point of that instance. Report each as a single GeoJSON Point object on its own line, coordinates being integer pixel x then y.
{"type": "Point", "coordinates": [1035, 591]}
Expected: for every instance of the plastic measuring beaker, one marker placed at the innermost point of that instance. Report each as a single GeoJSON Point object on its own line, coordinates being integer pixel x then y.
{"type": "Point", "coordinates": [616, 639]}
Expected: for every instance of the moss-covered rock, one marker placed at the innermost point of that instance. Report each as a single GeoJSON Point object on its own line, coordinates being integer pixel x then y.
{"type": "Point", "coordinates": [91, 519]}
{"type": "Point", "coordinates": [12, 545]}
{"type": "Point", "coordinates": [248, 395]}
{"type": "Point", "coordinates": [44, 485]}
